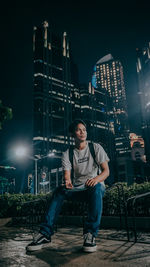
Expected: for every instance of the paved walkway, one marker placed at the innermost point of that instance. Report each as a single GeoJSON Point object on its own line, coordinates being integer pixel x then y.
{"type": "Point", "coordinates": [66, 251]}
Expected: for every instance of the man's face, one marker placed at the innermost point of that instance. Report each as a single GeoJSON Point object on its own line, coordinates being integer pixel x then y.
{"type": "Point", "coordinates": [80, 133]}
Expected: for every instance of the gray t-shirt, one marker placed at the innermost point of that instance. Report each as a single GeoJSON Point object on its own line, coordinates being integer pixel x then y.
{"type": "Point", "coordinates": [83, 163]}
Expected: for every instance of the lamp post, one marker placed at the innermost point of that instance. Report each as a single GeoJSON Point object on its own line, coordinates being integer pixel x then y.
{"type": "Point", "coordinates": [35, 169]}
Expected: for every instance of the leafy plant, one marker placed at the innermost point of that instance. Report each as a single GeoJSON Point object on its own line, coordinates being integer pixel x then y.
{"type": "Point", "coordinates": [11, 205]}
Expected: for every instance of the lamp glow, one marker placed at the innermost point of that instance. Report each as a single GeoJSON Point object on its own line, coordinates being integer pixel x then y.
{"type": "Point", "coordinates": [21, 152]}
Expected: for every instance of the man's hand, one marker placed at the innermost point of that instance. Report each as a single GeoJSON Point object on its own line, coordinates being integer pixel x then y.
{"type": "Point", "coordinates": [67, 179]}
{"type": "Point", "coordinates": [92, 182]}
{"type": "Point", "coordinates": [68, 184]}
{"type": "Point", "coordinates": [101, 177]}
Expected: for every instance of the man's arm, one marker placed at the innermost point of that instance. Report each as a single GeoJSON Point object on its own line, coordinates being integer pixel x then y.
{"type": "Point", "coordinates": [66, 165]}
{"type": "Point", "coordinates": [67, 179]}
{"type": "Point", "coordinates": [101, 177]}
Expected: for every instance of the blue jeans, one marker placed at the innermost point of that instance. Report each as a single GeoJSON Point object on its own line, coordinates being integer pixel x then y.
{"type": "Point", "coordinates": [92, 195]}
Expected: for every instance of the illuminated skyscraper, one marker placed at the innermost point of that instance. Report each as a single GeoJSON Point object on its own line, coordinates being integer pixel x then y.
{"type": "Point", "coordinates": [143, 71]}
{"type": "Point", "coordinates": [109, 77]}
{"type": "Point", "coordinates": [52, 91]}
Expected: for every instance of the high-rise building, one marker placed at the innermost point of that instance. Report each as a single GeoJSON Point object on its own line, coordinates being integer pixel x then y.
{"type": "Point", "coordinates": [109, 77]}
{"type": "Point", "coordinates": [52, 91]}
{"type": "Point", "coordinates": [53, 103]}
{"type": "Point", "coordinates": [143, 71]}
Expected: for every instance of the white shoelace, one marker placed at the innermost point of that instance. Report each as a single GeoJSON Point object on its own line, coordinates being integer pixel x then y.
{"type": "Point", "coordinates": [88, 238]}
{"type": "Point", "coordinates": [36, 237]}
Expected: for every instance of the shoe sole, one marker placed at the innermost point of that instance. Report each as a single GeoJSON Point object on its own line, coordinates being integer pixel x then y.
{"type": "Point", "coordinates": [90, 249]}
{"type": "Point", "coordinates": [38, 247]}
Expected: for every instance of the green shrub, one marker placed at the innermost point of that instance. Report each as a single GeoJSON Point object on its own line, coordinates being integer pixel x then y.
{"type": "Point", "coordinates": [113, 198]}
{"type": "Point", "coordinates": [10, 205]}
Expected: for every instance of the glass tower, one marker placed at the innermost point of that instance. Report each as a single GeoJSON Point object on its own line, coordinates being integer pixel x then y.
{"type": "Point", "coordinates": [52, 91]}
{"type": "Point", "coordinates": [109, 77]}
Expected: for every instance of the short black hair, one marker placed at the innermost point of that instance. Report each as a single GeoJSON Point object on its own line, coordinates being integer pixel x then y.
{"type": "Point", "coordinates": [74, 124]}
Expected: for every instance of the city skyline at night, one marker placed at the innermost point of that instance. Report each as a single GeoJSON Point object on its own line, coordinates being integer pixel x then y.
{"type": "Point", "coordinates": [75, 133]}
{"type": "Point", "coordinates": [90, 40]}
{"type": "Point", "coordinates": [55, 94]}
{"type": "Point", "coordinates": [59, 99]}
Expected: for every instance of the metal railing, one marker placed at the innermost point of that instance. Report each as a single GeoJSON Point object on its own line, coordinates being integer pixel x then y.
{"type": "Point", "coordinates": [133, 201]}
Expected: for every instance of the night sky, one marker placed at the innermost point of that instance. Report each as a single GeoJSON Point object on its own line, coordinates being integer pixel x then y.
{"type": "Point", "coordinates": [94, 30]}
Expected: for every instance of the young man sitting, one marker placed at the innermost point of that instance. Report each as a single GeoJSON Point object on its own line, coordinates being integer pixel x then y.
{"type": "Point", "coordinates": [87, 185]}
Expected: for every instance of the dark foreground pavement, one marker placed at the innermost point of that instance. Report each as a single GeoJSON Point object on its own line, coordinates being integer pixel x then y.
{"type": "Point", "coordinates": [65, 250]}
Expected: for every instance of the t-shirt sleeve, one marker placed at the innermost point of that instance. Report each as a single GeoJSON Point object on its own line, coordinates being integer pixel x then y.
{"type": "Point", "coordinates": [66, 164]}
{"type": "Point", "coordinates": [100, 154]}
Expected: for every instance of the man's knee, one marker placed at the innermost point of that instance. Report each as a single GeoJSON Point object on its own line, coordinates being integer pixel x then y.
{"type": "Point", "coordinates": [98, 189]}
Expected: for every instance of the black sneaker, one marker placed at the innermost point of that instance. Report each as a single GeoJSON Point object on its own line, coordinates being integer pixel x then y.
{"type": "Point", "coordinates": [39, 242]}
{"type": "Point", "coordinates": [89, 243]}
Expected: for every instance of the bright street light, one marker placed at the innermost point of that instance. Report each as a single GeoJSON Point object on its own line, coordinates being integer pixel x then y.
{"type": "Point", "coordinates": [22, 152]}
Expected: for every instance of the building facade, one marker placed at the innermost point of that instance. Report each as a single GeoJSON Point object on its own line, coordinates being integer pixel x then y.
{"type": "Point", "coordinates": [143, 72]}
{"type": "Point", "coordinates": [52, 91]}
{"type": "Point", "coordinates": [52, 100]}
{"type": "Point", "coordinates": [110, 77]}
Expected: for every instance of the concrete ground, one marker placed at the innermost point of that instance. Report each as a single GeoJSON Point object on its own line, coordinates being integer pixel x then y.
{"type": "Point", "coordinates": [66, 249]}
